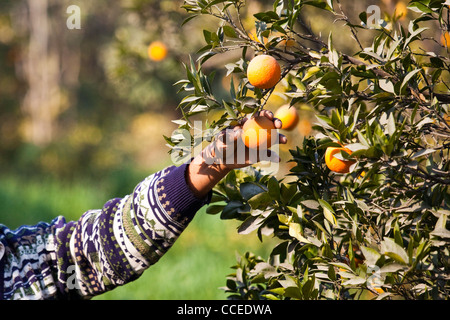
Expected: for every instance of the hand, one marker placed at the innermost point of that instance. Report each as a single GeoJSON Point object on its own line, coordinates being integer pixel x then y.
{"type": "Point", "coordinates": [225, 154]}
{"type": "Point", "coordinates": [228, 150]}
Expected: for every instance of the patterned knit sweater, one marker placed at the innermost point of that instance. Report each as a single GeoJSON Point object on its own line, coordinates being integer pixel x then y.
{"type": "Point", "coordinates": [104, 249]}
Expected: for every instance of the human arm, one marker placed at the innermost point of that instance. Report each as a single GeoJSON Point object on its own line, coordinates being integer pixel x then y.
{"type": "Point", "coordinates": [114, 245]}
{"type": "Point", "coordinates": [213, 164]}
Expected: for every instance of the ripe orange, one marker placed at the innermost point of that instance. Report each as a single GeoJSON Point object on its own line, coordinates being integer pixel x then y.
{"type": "Point", "coordinates": [447, 118]}
{"type": "Point", "coordinates": [304, 127]}
{"type": "Point", "coordinates": [401, 10]}
{"type": "Point", "coordinates": [257, 131]}
{"type": "Point", "coordinates": [263, 71]}
{"type": "Point", "coordinates": [445, 39]}
{"type": "Point", "coordinates": [288, 116]}
{"type": "Point", "coordinates": [157, 51]}
{"type": "Point", "coordinates": [335, 164]}
{"type": "Point", "coordinates": [287, 44]}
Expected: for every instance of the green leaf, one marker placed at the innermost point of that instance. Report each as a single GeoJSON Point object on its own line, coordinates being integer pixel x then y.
{"type": "Point", "coordinates": [320, 4]}
{"type": "Point", "coordinates": [250, 224]}
{"type": "Point", "coordinates": [394, 251]}
{"type": "Point", "coordinates": [392, 267]}
{"type": "Point", "coordinates": [342, 266]}
{"type": "Point", "coordinates": [354, 281]}
{"type": "Point", "coordinates": [279, 291]}
{"type": "Point", "coordinates": [214, 209]}
{"type": "Point", "coordinates": [229, 110]}
{"type": "Point", "coordinates": [413, 35]}
{"type": "Point", "coordinates": [266, 269]}
{"type": "Point", "coordinates": [419, 7]}
{"type": "Point", "coordinates": [397, 235]}
{"type": "Point", "coordinates": [331, 273]}
{"type": "Point", "coordinates": [311, 71]}
{"type": "Point", "coordinates": [231, 210]}
{"type": "Point", "coordinates": [250, 189]}
{"type": "Point", "coordinates": [370, 254]}
{"type": "Point", "coordinates": [363, 17]}
{"type": "Point", "coordinates": [386, 85]}
{"type": "Point", "coordinates": [229, 32]}
{"type": "Point", "coordinates": [274, 188]}
{"type": "Point", "coordinates": [207, 36]}
{"type": "Point", "coordinates": [287, 192]}
{"type": "Point", "coordinates": [189, 19]}
{"type": "Point", "coordinates": [440, 227]}
{"type": "Point", "coordinates": [408, 78]}
{"type": "Point", "coordinates": [308, 288]}
{"type": "Point", "coordinates": [268, 16]}
{"type": "Point", "coordinates": [293, 292]}
{"type": "Point", "coordinates": [295, 231]}
{"type": "Point", "coordinates": [422, 153]}
{"type": "Point", "coordinates": [311, 204]}
{"type": "Point", "coordinates": [328, 212]}
{"type": "Point", "coordinates": [260, 200]}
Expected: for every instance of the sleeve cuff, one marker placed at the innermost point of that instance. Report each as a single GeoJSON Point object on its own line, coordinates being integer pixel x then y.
{"type": "Point", "coordinates": [179, 200]}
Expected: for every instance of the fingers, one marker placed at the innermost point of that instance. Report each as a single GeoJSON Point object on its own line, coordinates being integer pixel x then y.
{"type": "Point", "coordinates": [266, 113]}
{"type": "Point", "coordinates": [233, 133]}
{"type": "Point", "coordinates": [269, 115]}
{"type": "Point", "coordinates": [282, 138]}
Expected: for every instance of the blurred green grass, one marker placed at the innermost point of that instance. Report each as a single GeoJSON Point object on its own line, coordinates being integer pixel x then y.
{"type": "Point", "coordinates": [193, 269]}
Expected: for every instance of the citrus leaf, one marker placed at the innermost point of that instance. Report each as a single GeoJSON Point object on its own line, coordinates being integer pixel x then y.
{"type": "Point", "coordinates": [354, 281]}
{"type": "Point", "coordinates": [328, 212]}
{"type": "Point", "coordinates": [422, 153]}
{"type": "Point", "coordinates": [370, 254]}
{"type": "Point", "coordinates": [408, 78]}
{"type": "Point", "coordinates": [311, 71]}
{"type": "Point", "coordinates": [250, 224]}
{"type": "Point", "coordinates": [390, 248]}
{"type": "Point", "coordinates": [295, 231]}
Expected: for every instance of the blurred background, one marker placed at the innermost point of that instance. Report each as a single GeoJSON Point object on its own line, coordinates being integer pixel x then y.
{"type": "Point", "coordinates": [83, 113]}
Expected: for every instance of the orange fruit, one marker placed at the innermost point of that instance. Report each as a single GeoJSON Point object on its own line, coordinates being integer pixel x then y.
{"type": "Point", "coordinates": [157, 51]}
{"type": "Point", "coordinates": [263, 71]}
{"type": "Point", "coordinates": [362, 175]}
{"type": "Point", "coordinates": [288, 116]}
{"type": "Point", "coordinates": [287, 44]}
{"type": "Point", "coordinates": [304, 127]}
{"type": "Point", "coordinates": [401, 10]}
{"type": "Point", "coordinates": [445, 39]}
{"type": "Point", "coordinates": [257, 131]}
{"type": "Point", "coordinates": [335, 164]}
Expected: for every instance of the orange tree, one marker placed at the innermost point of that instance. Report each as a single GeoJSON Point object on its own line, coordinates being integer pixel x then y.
{"type": "Point", "coordinates": [380, 230]}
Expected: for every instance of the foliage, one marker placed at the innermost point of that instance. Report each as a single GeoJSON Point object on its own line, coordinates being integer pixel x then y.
{"type": "Point", "coordinates": [380, 231]}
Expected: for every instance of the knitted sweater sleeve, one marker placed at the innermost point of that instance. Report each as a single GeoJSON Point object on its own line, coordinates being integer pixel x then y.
{"type": "Point", "coordinates": [105, 248]}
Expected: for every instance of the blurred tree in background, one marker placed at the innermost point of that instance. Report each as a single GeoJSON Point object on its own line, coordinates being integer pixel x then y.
{"type": "Point", "coordinates": [88, 100]}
